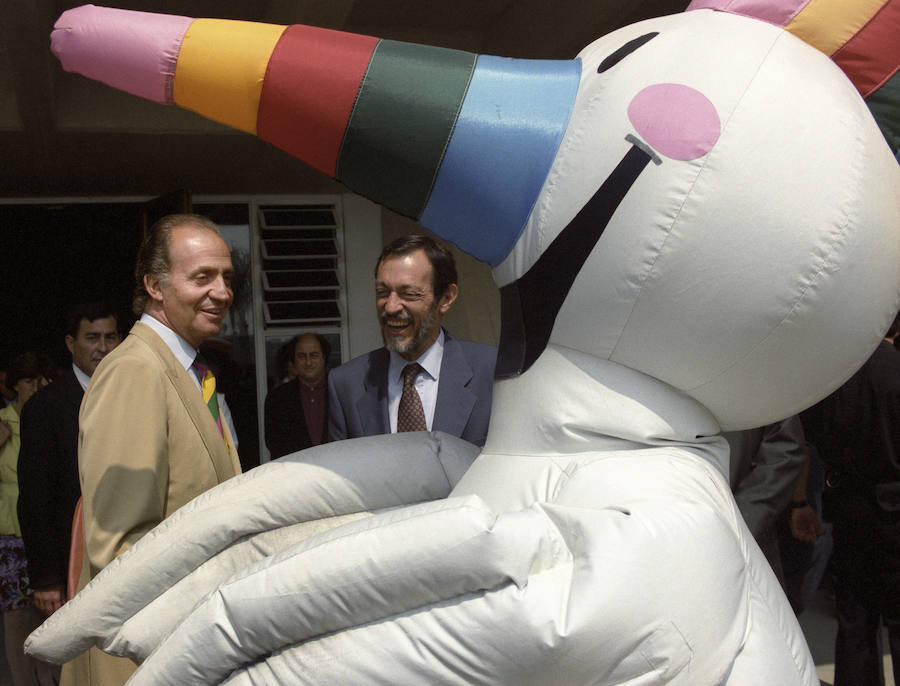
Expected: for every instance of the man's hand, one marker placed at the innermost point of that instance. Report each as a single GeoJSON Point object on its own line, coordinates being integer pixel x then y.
{"type": "Point", "coordinates": [804, 524]}
{"type": "Point", "coordinates": [49, 600]}
{"type": "Point", "coordinates": [5, 431]}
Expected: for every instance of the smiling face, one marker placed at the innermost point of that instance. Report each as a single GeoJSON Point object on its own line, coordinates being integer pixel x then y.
{"type": "Point", "coordinates": [408, 310]}
{"type": "Point", "coordinates": [194, 297]}
{"type": "Point", "coordinates": [309, 362]}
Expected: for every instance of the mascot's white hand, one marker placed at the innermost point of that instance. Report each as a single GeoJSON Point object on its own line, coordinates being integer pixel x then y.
{"type": "Point", "coordinates": [142, 595]}
{"type": "Point", "coordinates": [356, 574]}
{"type": "Point", "coordinates": [449, 592]}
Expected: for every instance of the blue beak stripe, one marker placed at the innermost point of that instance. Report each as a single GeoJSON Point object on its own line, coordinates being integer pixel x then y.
{"type": "Point", "coordinates": [507, 134]}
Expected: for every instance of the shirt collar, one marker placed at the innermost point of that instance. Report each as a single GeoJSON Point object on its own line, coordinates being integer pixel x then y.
{"type": "Point", "coordinates": [430, 359]}
{"type": "Point", "coordinates": [321, 383]}
{"type": "Point", "coordinates": [181, 349]}
{"type": "Point", "coordinates": [83, 379]}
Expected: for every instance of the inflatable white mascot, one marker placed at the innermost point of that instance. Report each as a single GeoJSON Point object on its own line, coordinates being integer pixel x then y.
{"type": "Point", "coordinates": [694, 225]}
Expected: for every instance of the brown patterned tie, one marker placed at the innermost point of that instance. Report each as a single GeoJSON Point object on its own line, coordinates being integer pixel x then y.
{"type": "Point", "coordinates": [410, 415]}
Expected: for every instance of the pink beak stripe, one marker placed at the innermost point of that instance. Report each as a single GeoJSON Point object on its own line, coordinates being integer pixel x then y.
{"type": "Point", "coordinates": [133, 51]}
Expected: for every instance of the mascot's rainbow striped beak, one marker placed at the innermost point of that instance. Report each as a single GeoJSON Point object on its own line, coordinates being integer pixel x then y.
{"type": "Point", "coordinates": [460, 142]}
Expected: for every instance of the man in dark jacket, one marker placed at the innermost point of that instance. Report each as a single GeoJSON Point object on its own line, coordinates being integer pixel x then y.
{"type": "Point", "coordinates": [48, 457]}
{"type": "Point", "coordinates": [857, 432]}
{"type": "Point", "coordinates": [296, 412]}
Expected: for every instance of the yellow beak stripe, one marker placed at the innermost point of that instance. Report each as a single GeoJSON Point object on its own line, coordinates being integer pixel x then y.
{"type": "Point", "coordinates": [828, 24]}
{"type": "Point", "coordinates": [221, 68]}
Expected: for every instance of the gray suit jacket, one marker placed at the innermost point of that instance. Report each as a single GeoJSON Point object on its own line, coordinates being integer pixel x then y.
{"type": "Point", "coordinates": [765, 466]}
{"type": "Point", "coordinates": [357, 393]}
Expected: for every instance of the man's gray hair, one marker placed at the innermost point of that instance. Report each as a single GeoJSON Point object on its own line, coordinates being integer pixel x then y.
{"type": "Point", "coordinates": [153, 256]}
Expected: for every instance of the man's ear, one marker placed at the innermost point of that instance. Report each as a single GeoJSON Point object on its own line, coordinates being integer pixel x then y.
{"type": "Point", "coordinates": [448, 298]}
{"type": "Point", "coordinates": [70, 343]}
{"type": "Point", "coordinates": [153, 287]}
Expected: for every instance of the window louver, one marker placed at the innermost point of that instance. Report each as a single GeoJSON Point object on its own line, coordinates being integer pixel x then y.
{"type": "Point", "coordinates": [299, 257]}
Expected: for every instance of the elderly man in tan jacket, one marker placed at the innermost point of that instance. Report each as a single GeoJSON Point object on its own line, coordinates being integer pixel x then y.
{"type": "Point", "coordinates": [148, 440]}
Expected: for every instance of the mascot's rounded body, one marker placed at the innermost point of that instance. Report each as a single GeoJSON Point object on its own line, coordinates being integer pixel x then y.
{"type": "Point", "coordinates": [714, 247]}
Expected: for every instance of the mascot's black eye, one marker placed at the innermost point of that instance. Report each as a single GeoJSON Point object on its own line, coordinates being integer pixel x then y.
{"type": "Point", "coordinates": [624, 51]}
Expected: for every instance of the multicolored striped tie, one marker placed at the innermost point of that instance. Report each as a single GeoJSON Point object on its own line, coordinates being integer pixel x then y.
{"type": "Point", "coordinates": [208, 387]}
{"type": "Point", "coordinates": [410, 415]}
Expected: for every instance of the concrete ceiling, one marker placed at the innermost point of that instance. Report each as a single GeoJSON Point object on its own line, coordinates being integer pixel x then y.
{"type": "Point", "coordinates": [64, 135]}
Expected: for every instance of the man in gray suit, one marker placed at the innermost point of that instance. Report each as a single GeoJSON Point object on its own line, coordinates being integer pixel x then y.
{"type": "Point", "coordinates": [415, 286]}
{"type": "Point", "coordinates": [766, 465]}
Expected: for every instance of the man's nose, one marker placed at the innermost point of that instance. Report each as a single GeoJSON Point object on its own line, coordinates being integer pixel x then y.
{"type": "Point", "coordinates": [392, 304]}
{"type": "Point", "coordinates": [221, 290]}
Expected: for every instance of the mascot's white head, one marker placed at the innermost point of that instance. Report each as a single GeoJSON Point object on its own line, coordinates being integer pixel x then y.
{"type": "Point", "coordinates": [723, 215]}
{"type": "Point", "coordinates": [703, 198]}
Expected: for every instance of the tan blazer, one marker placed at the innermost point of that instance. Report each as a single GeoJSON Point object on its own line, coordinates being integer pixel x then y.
{"type": "Point", "coordinates": [147, 445]}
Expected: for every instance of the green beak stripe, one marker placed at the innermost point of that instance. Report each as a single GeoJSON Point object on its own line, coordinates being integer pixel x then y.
{"type": "Point", "coordinates": [402, 121]}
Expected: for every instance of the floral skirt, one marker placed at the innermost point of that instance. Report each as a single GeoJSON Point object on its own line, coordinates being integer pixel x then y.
{"type": "Point", "coordinates": [14, 591]}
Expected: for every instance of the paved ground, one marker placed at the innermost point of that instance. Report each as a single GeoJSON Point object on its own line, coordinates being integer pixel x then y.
{"type": "Point", "coordinates": [817, 621]}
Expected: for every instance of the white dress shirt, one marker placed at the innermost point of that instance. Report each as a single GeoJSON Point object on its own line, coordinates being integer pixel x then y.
{"type": "Point", "coordinates": [185, 353]}
{"type": "Point", "coordinates": [83, 379]}
{"type": "Point", "coordinates": [426, 382]}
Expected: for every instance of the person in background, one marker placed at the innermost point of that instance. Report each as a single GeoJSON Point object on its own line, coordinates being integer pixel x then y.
{"type": "Point", "coordinates": [423, 378]}
{"type": "Point", "coordinates": [296, 412]}
{"type": "Point", "coordinates": [7, 395]}
{"type": "Point", "coordinates": [26, 376]}
{"type": "Point", "coordinates": [284, 360]}
{"type": "Point", "coordinates": [805, 539]}
{"type": "Point", "coordinates": [857, 433]}
{"type": "Point", "coordinates": [765, 465]}
{"type": "Point", "coordinates": [48, 457]}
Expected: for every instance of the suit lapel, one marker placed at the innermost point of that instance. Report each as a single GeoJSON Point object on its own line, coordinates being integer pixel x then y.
{"type": "Point", "coordinates": [454, 401]}
{"type": "Point", "coordinates": [372, 406]}
{"type": "Point", "coordinates": [224, 458]}
{"type": "Point", "coordinates": [72, 396]}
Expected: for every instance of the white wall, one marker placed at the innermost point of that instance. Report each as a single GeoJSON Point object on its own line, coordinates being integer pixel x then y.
{"type": "Point", "coordinates": [362, 245]}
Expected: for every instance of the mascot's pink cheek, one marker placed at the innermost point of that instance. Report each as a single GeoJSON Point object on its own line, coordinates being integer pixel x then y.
{"type": "Point", "coordinates": [675, 120]}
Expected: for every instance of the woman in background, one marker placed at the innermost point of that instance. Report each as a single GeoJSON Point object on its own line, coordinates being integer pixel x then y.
{"type": "Point", "coordinates": [28, 374]}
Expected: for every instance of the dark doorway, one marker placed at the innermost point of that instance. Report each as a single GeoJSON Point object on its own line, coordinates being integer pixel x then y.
{"type": "Point", "coordinates": [53, 256]}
